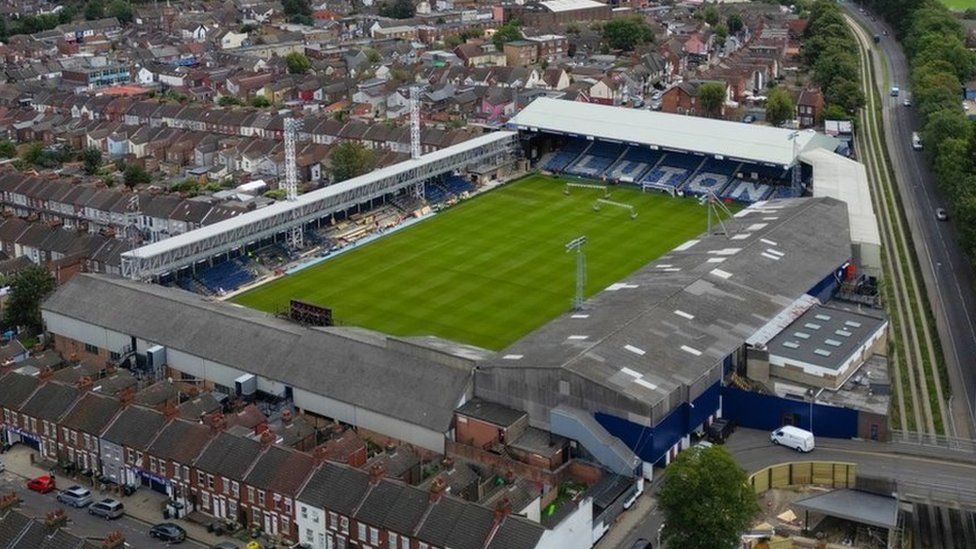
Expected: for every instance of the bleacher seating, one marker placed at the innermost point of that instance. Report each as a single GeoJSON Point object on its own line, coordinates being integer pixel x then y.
{"type": "Point", "coordinates": [435, 192]}
{"type": "Point", "coordinates": [713, 177]}
{"type": "Point", "coordinates": [633, 164]}
{"type": "Point", "coordinates": [595, 161]}
{"type": "Point", "coordinates": [456, 184]}
{"type": "Point", "coordinates": [225, 277]}
{"type": "Point", "coordinates": [566, 156]}
{"type": "Point", "coordinates": [671, 172]}
{"type": "Point", "coordinates": [747, 191]}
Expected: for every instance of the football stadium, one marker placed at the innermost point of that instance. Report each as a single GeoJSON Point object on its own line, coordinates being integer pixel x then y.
{"type": "Point", "coordinates": [452, 277]}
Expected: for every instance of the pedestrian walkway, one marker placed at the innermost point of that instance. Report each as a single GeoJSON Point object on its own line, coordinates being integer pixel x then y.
{"type": "Point", "coordinates": [144, 505]}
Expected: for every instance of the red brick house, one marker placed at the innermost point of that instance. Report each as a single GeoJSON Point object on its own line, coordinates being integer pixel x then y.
{"type": "Point", "coordinates": [270, 488]}
{"type": "Point", "coordinates": [809, 106]}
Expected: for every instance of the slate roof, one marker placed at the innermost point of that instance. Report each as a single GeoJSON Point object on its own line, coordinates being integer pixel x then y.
{"type": "Point", "coordinates": [92, 413]}
{"type": "Point", "coordinates": [51, 401]}
{"type": "Point", "coordinates": [15, 389]}
{"type": "Point", "coordinates": [228, 455]}
{"type": "Point", "coordinates": [135, 427]}
{"type": "Point", "coordinates": [281, 470]}
{"type": "Point", "coordinates": [180, 441]}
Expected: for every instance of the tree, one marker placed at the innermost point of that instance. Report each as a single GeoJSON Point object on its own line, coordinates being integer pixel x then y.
{"type": "Point", "coordinates": [298, 11]}
{"type": "Point", "coordinates": [721, 32]}
{"type": "Point", "coordinates": [711, 15]}
{"type": "Point", "coordinates": [397, 9]}
{"type": "Point", "coordinates": [95, 9]}
{"type": "Point", "coordinates": [134, 174]}
{"type": "Point", "coordinates": [706, 500]}
{"type": "Point", "coordinates": [509, 32]}
{"type": "Point", "coordinates": [228, 101]}
{"type": "Point", "coordinates": [91, 159]}
{"type": "Point", "coordinates": [260, 102]}
{"type": "Point", "coordinates": [711, 96]}
{"type": "Point", "coordinates": [626, 33]}
{"type": "Point", "coordinates": [7, 149]}
{"type": "Point", "coordinates": [121, 10]}
{"type": "Point", "coordinates": [350, 159]}
{"type": "Point", "coordinates": [734, 23]}
{"type": "Point", "coordinates": [373, 56]}
{"type": "Point", "coordinates": [27, 290]}
{"type": "Point", "coordinates": [297, 63]}
{"type": "Point", "coordinates": [779, 106]}
{"type": "Point", "coordinates": [34, 154]}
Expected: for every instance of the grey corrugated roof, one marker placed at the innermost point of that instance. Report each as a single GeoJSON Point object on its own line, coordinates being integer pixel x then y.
{"type": "Point", "coordinates": [672, 322]}
{"type": "Point", "coordinates": [517, 533]}
{"type": "Point", "coordinates": [854, 505]}
{"type": "Point", "coordinates": [440, 521]}
{"type": "Point", "coordinates": [228, 455]}
{"type": "Point", "coordinates": [326, 362]}
{"type": "Point", "coordinates": [825, 337]}
{"type": "Point", "coordinates": [378, 503]}
{"type": "Point", "coordinates": [180, 441]}
{"type": "Point", "coordinates": [336, 488]}
{"type": "Point", "coordinates": [492, 412]}
{"type": "Point", "coordinates": [281, 470]}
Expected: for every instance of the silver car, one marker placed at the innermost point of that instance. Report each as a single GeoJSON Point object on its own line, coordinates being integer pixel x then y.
{"type": "Point", "coordinates": [76, 496]}
{"type": "Point", "coordinates": [107, 508]}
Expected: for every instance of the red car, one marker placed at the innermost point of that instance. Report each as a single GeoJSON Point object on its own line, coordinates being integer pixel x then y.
{"type": "Point", "coordinates": [42, 484]}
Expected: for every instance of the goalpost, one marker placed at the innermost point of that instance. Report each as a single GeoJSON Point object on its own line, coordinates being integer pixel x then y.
{"type": "Point", "coordinates": [601, 201]}
{"type": "Point", "coordinates": [604, 188]}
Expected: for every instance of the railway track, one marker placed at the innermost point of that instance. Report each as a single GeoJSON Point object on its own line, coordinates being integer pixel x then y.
{"type": "Point", "coordinates": [921, 404]}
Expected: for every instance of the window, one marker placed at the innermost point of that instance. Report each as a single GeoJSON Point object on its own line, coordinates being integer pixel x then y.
{"type": "Point", "coordinates": [374, 536]}
{"type": "Point", "coordinates": [391, 541]}
{"type": "Point", "coordinates": [344, 525]}
{"type": "Point", "coordinates": [235, 489]}
{"type": "Point", "coordinates": [89, 348]}
{"type": "Point", "coordinates": [186, 473]}
{"type": "Point", "coordinates": [288, 505]}
{"type": "Point", "coordinates": [232, 509]}
{"type": "Point", "coordinates": [225, 485]}
{"type": "Point", "coordinates": [423, 545]}
{"type": "Point", "coordinates": [304, 512]}
{"type": "Point", "coordinates": [114, 356]}
{"type": "Point", "coordinates": [210, 481]}
{"type": "Point", "coordinates": [333, 521]}
{"type": "Point", "coordinates": [201, 478]}
{"type": "Point", "coordinates": [286, 524]}
{"type": "Point", "coordinates": [404, 542]}
{"type": "Point", "coordinates": [250, 494]}
{"type": "Point", "coordinates": [205, 500]}
{"type": "Point", "coordinates": [261, 499]}
{"type": "Point", "coordinates": [152, 465]}
{"type": "Point", "coordinates": [309, 535]}
{"type": "Point", "coordinates": [277, 502]}
{"type": "Point", "coordinates": [361, 532]}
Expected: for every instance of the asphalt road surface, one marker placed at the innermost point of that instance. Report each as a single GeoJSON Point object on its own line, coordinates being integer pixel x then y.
{"type": "Point", "coordinates": [80, 522]}
{"type": "Point", "coordinates": [947, 273]}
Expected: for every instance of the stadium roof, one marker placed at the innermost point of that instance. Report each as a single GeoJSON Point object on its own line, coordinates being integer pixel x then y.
{"type": "Point", "coordinates": [755, 143]}
{"type": "Point", "coordinates": [847, 180]}
{"type": "Point", "coordinates": [672, 322]}
{"type": "Point", "coordinates": [256, 216]}
{"type": "Point", "coordinates": [557, 6]}
{"type": "Point", "coordinates": [357, 367]}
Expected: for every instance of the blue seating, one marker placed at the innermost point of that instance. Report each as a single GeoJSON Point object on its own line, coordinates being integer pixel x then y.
{"type": "Point", "coordinates": [565, 156]}
{"type": "Point", "coordinates": [434, 193]}
{"type": "Point", "coordinates": [747, 191]}
{"type": "Point", "coordinates": [634, 162]}
{"type": "Point", "coordinates": [596, 159]}
{"type": "Point", "coordinates": [456, 184]}
{"type": "Point", "coordinates": [225, 277]}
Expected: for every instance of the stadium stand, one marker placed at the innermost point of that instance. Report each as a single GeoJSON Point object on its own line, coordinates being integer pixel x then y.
{"type": "Point", "coordinates": [566, 156]}
{"type": "Point", "coordinates": [713, 177]}
{"type": "Point", "coordinates": [226, 276]}
{"type": "Point", "coordinates": [747, 191]}
{"type": "Point", "coordinates": [671, 172]}
{"type": "Point", "coordinates": [634, 162]}
{"type": "Point", "coordinates": [435, 192]}
{"type": "Point", "coordinates": [596, 159]}
{"type": "Point", "coordinates": [457, 184]}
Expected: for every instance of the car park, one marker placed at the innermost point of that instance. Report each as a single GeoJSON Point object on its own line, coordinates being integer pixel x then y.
{"type": "Point", "coordinates": [108, 509]}
{"type": "Point", "coordinates": [43, 484]}
{"type": "Point", "coordinates": [168, 532]}
{"type": "Point", "coordinates": [76, 496]}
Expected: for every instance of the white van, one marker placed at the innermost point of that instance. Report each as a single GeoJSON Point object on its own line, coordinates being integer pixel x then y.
{"type": "Point", "coordinates": [793, 437]}
{"type": "Point", "coordinates": [916, 141]}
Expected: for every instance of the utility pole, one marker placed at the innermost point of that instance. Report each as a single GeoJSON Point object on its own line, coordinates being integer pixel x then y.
{"type": "Point", "coordinates": [415, 122]}
{"type": "Point", "coordinates": [577, 245]}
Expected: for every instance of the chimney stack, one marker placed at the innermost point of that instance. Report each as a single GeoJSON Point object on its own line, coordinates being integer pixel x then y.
{"type": "Point", "coordinates": [217, 422]}
{"type": "Point", "coordinates": [447, 463]}
{"type": "Point", "coordinates": [56, 519]}
{"type": "Point", "coordinates": [502, 509]}
{"type": "Point", "coordinates": [286, 417]}
{"type": "Point", "coordinates": [376, 473]}
{"type": "Point", "coordinates": [436, 489]}
{"type": "Point", "coordinates": [45, 374]}
{"type": "Point", "coordinates": [9, 500]}
{"type": "Point", "coordinates": [267, 438]}
{"type": "Point", "coordinates": [110, 368]}
{"type": "Point", "coordinates": [321, 454]}
{"type": "Point", "coordinates": [127, 395]}
{"type": "Point", "coordinates": [169, 410]}
{"type": "Point", "coordinates": [84, 384]}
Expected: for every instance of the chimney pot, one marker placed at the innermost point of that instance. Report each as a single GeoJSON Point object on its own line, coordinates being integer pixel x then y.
{"type": "Point", "coordinates": [436, 489]}
{"type": "Point", "coordinates": [85, 383]}
{"type": "Point", "coordinates": [286, 417]}
{"type": "Point", "coordinates": [267, 438]}
{"type": "Point", "coordinates": [45, 374]}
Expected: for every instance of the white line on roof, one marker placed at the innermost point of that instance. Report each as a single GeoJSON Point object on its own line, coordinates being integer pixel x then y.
{"type": "Point", "coordinates": [716, 259]}
{"type": "Point", "coordinates": [631, 373]}
{"type": "Point", "coordinates": [580, 316]}
{"type": "Point", "coordinates": [577, 337]}
{"type": "Point", "coordinates": [636, 350]}
{"type": "Point", "coordinates": [770, 256]}
{"type": "Point", "coordinates": [774, 252]}
{"type": "Point", "coordinates": [683, 314]}
{"type": "Point", "coordinates": [686, 245]}
{"type": "Point", "coordinates": [512, 357]}
{"type": "Point", "coordinates": [741, 236]}
{"type": "Point", "coordinates": [691, 350]}
{"type": "Point", "coordinates": [645, 383]}
{"type": "Point", "coordinates": [721, 274]}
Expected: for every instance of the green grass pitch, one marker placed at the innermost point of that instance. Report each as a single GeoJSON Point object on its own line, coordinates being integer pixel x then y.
{"type": "Point", "coordinates": [959, 5]}
{"type": "Point", "coordinates": [491, 269]}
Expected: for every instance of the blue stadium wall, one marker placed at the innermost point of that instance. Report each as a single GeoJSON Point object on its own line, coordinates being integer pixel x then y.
{"type": "Point", "coordinates": [768, 412]}
{"type": "Point", "coordinates": [651, 444]}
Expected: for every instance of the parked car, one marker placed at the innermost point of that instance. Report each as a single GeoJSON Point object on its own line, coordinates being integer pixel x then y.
{"type": "Point", "coordinates": [108, 509]}
{"type": "Point", "coordinates": [719, 430]}
{"type": "Point", "coordinates": [748, 119]}
{"type": "Point", "coordinates": [76, 496]}
{"type": "Point", "coordinates": [225, 545]}
{"type": "Point", "coordinates": [907, 102]}
{"type": "Point", "coordinates": [800, 440]}
{"type": "Point", "coordinates": [941, 214]}
{"type": "Point", "coordinates": [43, 484]}
{"type": "Point", "coordinates": [642, 544]}
{"type": "Point", "coordinates": [168, 532]}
